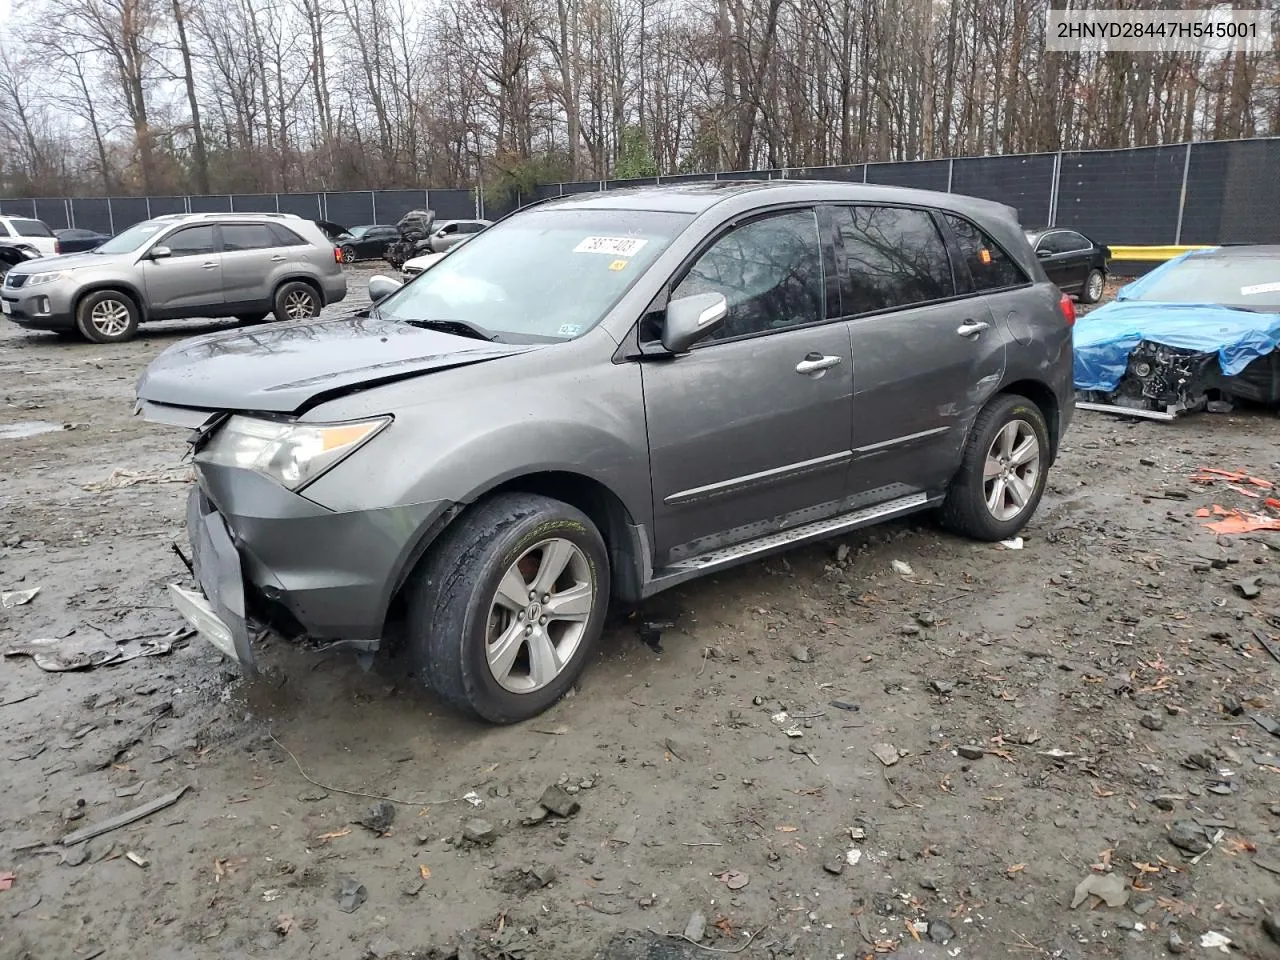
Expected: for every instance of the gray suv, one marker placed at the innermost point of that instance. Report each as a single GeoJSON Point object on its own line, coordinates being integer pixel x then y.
{"type": "Point", "coordinates": [602, 397]}
{"type": "Point", "coordinates": [242, 265]}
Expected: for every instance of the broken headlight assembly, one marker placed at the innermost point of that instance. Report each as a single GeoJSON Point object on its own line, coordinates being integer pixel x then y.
{"type": "Point", "coordinates": [290, 453]}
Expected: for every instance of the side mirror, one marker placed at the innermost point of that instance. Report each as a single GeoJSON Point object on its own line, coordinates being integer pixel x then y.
{"type": "Point", "coordinates": [689, 319]}
{"type": "Point", "coordinates": [381, 287]}
{"type": "Point", "coordinates": [160, 253]}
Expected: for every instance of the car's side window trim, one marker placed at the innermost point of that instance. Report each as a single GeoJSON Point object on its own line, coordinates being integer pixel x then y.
{"type": "Point", "coordinates": [722, 230]}
{"type": "Point", "coordinates": [847, 279]}
{"type": "Point", "coordinates": [948, 233]}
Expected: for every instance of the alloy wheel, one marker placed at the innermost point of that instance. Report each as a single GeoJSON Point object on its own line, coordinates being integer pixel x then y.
{"type": "Point", "coordinates": [1095, 286]}
{"type": "Point", "coordinates": [299, 305]}
{"type": "Point", "coordinates": [1011, 470]}
{"type": "Point", "coordinates": [538, 616]}
{"type": "Point", "coordinates": [110, 318]}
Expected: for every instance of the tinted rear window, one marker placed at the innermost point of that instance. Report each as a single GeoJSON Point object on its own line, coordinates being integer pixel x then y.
{"type": "Point", "coordinates": [990, 267]}
{"type": "Point", "coordinates": [896, 258]}
{"type": "Point", "coordinates": [31, 228]}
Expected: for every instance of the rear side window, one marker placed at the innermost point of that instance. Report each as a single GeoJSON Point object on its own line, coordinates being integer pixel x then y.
{"type": "Point", "coordinates": [895, 256]}
{"type": "Point", "coordinates": [246, 236]}
{"type": "Point", "coordinates": [284, 237]}
{"type": "Point", "coordinates": [31, 228]}
{"type": "Point", "coordinates": [990, 267]}
{"type": "Point", "coordinates": [470, 227]}
{"type": "Point", "coordinates": [4, 230]}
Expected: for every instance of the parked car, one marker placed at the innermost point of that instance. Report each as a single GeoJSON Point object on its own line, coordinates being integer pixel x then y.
{"type": "Point", "coordinates": [13, 252]}
{"type": "Point", "coordinates": [606, 397]}
{"type": "Point", "coordinates": [334, 231]}
{"type": "Point", "coordinates": [447, 233]}
{"type": "Point", "coordinates": [34, 232]}
{"type": "Point", "coordinates": [367, 242]}
{"type": "Point", "coordinates": [1202, 328]}
{"type": "Point", "coordinates": [411, 268]}
{"type": "Point", "coordinates": [75, 240]}
{"type": "Point", "coordinates": [1075, 263]}
{"type": "Point", "coordinates": [242, 265]}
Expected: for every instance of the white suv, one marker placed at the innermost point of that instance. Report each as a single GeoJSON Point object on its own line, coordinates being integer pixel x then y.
{"type": "Point", "coordinates": [34, 233]}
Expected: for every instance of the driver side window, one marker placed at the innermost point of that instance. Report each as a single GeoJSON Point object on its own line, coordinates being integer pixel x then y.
{"type": "Point", "coordinates": [769, 271]}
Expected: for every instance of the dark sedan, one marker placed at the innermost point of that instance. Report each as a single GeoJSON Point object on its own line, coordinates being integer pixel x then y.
{"type": "Point", "coordinates": [366, 242]}
{"type": "Point", "coordinates": [1075, 263]}
{"type": "Point", "coordinates": [76, 240]}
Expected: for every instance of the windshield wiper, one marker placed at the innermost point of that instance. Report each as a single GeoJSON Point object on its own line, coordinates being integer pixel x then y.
{"type": "Point", "coordinates": [459, 327]}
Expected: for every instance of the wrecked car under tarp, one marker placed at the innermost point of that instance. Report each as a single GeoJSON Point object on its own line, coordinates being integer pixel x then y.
{"type": "Point", "coordinates": [1201, 329]}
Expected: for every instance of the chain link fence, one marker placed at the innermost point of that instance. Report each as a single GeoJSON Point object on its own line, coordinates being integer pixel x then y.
{"type": "Point", "coordinates": [1198, 193]}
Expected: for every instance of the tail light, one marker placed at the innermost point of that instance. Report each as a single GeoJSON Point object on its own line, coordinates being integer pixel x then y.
{"type": "Point", "coordinates": [1068, 310]}
{"type": "Point", "coordinates": [337, 254]}
{"type": "Point", "coordinates": [57, 248]}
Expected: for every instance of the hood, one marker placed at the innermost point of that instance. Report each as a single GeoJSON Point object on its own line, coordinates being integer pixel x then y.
{"type": "Point", "coordinates": [71, 261]}
{"type": "Point", "coordinates": [289, 367]}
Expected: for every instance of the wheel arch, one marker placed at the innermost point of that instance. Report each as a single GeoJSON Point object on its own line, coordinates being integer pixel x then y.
{"type": "Point", "coordinates": [1046, 400]}
{"type": "Point", "coordinates": [601, 505]}
{"type": "Point", "coordinates": [288, 278]}
{"type": "Point", "coordinates": [116, 286]}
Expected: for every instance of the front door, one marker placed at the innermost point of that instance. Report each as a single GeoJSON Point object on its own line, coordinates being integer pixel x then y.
{"type": "Point", "coordinates": [749, 431]}
{"type": "Point", "coordinates": [1065, 258]}
{"type": "Point", "coordinates": [189, 280]}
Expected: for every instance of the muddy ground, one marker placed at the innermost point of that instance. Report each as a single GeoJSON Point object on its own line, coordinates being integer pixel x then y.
{"type": "Point", "coordinates": [1089, 677]}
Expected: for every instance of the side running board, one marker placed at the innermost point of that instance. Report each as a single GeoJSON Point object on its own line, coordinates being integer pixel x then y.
{"type": "Point", "coordinates": [784, 539]}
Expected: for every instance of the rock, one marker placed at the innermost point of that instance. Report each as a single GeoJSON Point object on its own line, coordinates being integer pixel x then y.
{"type": "Point", "coordinates": [379, 818]}
{"type": "Point", "coordinates": [799, 653]}
{"type": "Point", "coordinates": [1189, 836]}
{"type": "Point", "coordinates": [1248, 588]}
{"type": "Point", "coordinates": [1143, 907]}
{"type": "Point", "coordinates": [413, 888]}
{"type": "Point", "coordinates": [834, 865]}
{"type": "Point", "coordinates": [1146, 461]}
{"type": "Point", "coordinates": [1271, 926]}
{"type": "Point", "coordinates": [351, 895]}
{"type": "Point", "coordinates": [940, 931]}
{"type": "Point", "coordinates": [1085, 598]}
{"type": "Point", "coordinates": [1176, 943]}
{"type": "Point", "coordinates": [72, 813]}
{"type": "Point", "coordinates": [943, 688]}
{"type": "Point", "coordinates": [1111, 888]}
{"type": "Point", "coordinates": [557, 801]}
{"type": "Point", "coordinates": [696, 928]}
{"type": "Point", "coordinates": [1152, 721]}
{"type": "Point", "coordinates": [886, 753]}
{"type": "Point", "coordinates": [382, 947]}
{"type": "Point", "coordinates": [312, 795]}
{"type": "Point", "coordinates": [1232, 705]}
{"type": "Point", "coordinates": [536, 816]}
{"type": "Point", "coordinates": [970, 752]}
{"type": "Point", "coordinates": [1165, 803]}
{"type": "Point", "coordinates": [479, 831]}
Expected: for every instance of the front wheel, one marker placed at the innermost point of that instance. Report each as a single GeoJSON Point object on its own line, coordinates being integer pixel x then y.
{"type": "Point", "coordinates": [107, 316]}
{"type": "Point", "coordinates": [1094, 283]}
{"type": "Point", "coordinates": [297, 301]}
{"type": "Point", "coordinates": [509, 605]}
{"type": "Point", "coordinates": [1003, 473]}
{"type": "Point", "coordinates": [348, 253]}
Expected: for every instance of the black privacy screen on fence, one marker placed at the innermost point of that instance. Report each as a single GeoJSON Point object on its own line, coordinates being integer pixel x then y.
{"type": "Point", "coordinates": [1204, 193]}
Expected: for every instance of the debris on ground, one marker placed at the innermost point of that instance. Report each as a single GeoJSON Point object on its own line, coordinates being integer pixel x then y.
{"type": "Point", "coordinates": [902, 568]}
{"type": "Point", "coordinates": [1215, 941]}
{"type": "Point", "coordinates": [886, 753]}
{"type": "Point", "coordinates": [1111, 888]}
{"type": "Point", "coordinates": [799, 653]}
{"type": "Point", "coordinates": [17, 598]}
{"type": "Point", "coordinates": [556, 800]}
{"type": "Point", "coordinates": [6, 879]}
{"type": "Point", "coordinates": [379, 818]}
{"type": "Point", "coordinates": [480, 832]}
{"type": "Point", "coordinates": [83, 652]}
{"type": "Point", "coordinates": [941, 932]}
{"type": "Point", "coordinates": [1189, 836]}
{"type": "Point", "coordinates": [137, 859]}
{"type": "Point", "coordinates": [1014, 544]}
{"type": "Point", "coordinates": [122, 477]}
{"type": "Point", "coordinates": [696, 928]}
{"type": "Point", "coordinates": [351, 895]}
{"type": "Point", "coordinates": [126, 818]}
{"type": "Point", "coordinates": [970, 752]}
{"type": "Point", "coordinates": [734, 879]}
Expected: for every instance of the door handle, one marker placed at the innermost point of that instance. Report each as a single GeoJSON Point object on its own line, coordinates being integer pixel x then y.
{"type": "Point", "coordinates": [816, 363]}
{"type": "Point", "coordinates": [210, 264]}
{"type": "Point", "coordinates": [972, 328]}
{"type": "Point", "coordinates": [278, 258]}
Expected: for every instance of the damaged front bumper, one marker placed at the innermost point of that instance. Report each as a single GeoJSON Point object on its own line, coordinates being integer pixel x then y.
{"type": "Point", "coordinates": [218, 612]}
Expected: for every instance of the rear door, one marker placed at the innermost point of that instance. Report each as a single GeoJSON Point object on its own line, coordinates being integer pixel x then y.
{"type": "Point", "coordinates": [249, 255]}
{"type": "Point", "coordinates": [749, 431]}
{"type": "Point", "coordinates": [189, 281]}
{"type": "Point", "coordinates": [925, 348]}
{"type": "Point", "coordinates": [1065, 257]}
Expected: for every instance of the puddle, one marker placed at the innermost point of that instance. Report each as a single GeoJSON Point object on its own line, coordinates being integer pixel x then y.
{"type": "Point", "coordinates": [27, 428]}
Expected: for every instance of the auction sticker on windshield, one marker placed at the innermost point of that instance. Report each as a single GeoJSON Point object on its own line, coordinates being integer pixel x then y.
{"type": "Point", "coordinates": [613, 246]}
{"type": "Point", "coordinates": [1258, 288]}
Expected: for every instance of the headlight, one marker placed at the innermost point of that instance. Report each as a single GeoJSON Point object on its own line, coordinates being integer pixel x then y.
{"type": "Point", "coordinates": [292, 454]}
{"type": "Point", "coordinates": [38, 278]}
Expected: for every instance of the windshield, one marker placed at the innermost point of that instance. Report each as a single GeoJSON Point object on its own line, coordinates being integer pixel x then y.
{"type": "Point", "coordinates": [546, 274]}
{"type": "Point", "coordinates": [1252, 282]}
{"type": "Point", "coordinates": [132, 238]}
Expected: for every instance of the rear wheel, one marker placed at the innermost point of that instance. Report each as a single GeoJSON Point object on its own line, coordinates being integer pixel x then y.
{"type": "Point", "coordinates": [508, 606]}
{"type": "Point", "coordinates": [297, 301]}
{"type": "Point", "coordinates": [348, 253]}
{"type": "Point", "coordinates": [1002, 476]}
{"type": "Point", "coordinates": [1094, 283]}
{"type": "Point", "coordinates": [107, 316]}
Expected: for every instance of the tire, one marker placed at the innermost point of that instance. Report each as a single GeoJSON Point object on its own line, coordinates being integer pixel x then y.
{"type": "Point", "coordinates": [348, 253]}
{"type": "Point", "coordinates": [455, 606]}
{"type": "Point", "coordinates": [1094, 284]}
{"type": "Point", "coordinates": [107, 316]}
{"type": "Point", "coordinates": [966, 509]}
{"type": "Point", "coordinates": [249, 319]}
{"type": "Point", "coordinates": [297, 301]}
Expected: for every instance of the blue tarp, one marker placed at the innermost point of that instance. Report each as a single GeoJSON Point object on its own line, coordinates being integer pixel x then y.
{"type": "Point", "coordinates": [1103, 339]}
